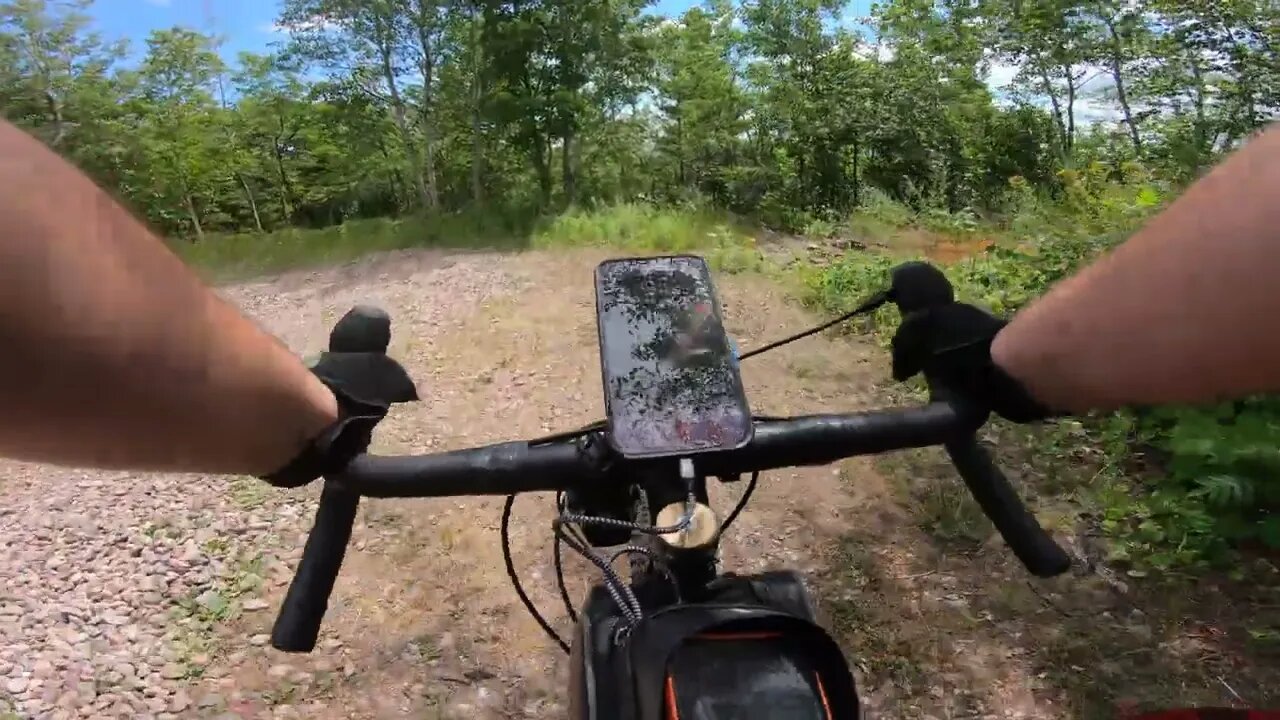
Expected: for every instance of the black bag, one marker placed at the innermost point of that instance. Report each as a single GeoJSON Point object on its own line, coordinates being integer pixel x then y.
{"type": "Point", "coordinates": [749, 651]}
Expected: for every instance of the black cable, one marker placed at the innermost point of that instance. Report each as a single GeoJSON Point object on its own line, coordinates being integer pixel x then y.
{"type": "Point", "coordinates": [617, 589]}
{"type": "Point", "coordinates": [742, 503]}
{"type": "Point", "coordinates": [558, 561]}
{"type": "Point", "coordinates": [570, 434]}
{"type": "Point", "coordinates": [872, 303]}
{"type": "Point", "coordinates": [515, 580]}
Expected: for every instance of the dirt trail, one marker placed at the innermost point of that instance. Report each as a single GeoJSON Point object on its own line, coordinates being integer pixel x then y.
{"type": "Point", "coordinates": [130, 595]}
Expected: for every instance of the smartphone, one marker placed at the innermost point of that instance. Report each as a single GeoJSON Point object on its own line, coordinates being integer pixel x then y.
{"type": "Point", "coordinates": [671, 382]}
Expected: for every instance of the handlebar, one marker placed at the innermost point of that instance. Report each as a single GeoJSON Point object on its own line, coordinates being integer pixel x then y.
{"type": "Point", "coordinates": [517, 467]}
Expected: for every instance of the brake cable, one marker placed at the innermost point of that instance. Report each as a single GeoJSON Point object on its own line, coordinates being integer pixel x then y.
{"type": "Point", "coordinates": [870, 304]}
{"type": "Point", "coordinates": [742, 502]}
{"type": "Point", "coordinates": [505, 531]}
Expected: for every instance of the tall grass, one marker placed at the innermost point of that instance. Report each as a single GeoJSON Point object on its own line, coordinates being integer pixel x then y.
{"type": "Point", "coordinates": [246, 254]}
{"type": "Point", "coordinates": [636, 228]}
{"type": "Point", "coordinates": [646, 229]}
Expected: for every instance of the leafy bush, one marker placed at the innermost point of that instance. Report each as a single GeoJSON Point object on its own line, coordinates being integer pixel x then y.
{"type": "Point", "coordinates": [1224, 463]}
{"type": "Point", "coordinates": [1180, 487]}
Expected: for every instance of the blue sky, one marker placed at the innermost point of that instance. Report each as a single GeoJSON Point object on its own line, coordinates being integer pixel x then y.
{"type": "Point", "coordinates": [245, 24]}
{"type": "Point", "coordinates": [248, 25]}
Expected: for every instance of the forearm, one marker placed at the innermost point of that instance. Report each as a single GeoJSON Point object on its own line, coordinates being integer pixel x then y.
{"type": "Point", "coordinates": [1187, 310]}
{"type": "Point", "coordinates": [115, 354]}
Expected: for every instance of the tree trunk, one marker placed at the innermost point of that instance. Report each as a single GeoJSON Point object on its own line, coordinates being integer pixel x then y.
{"type": "Point", "coordinates": [680, 149]}
{"type": "Point", "coordinates": [477, 153]}
{"type": "Point", "coordinates": [1071, 107]}
{"type": "Point", "coordinates": [402, 124]}
{"type": "Point", "coordinates": [1116, 61]}
{"type": "Point", "coordinates": [429, 163]}
{"type": "Point", "coordinates": [192, 213]}
{"type": "Point", "coordinates": [543, 169]}
{"type": "Point", "coordinates": [285, 203]}
{"type": "Point", "coordinates": [857, 190]}
{"type": "Point", "coordinates": [253, 204]}
{"type": "Point", "coordinates": [1201, 125]}
{"type": "Point", "coordinates": [1244, 81]}
{"type": "Point", "coordinates": [195, 217]}
{"type": "Point", "coordinates": [427, 66]}
{"type": "Point", "coordinates": [477, 98]}
{"type": "Point", "coordinates": [566, 165]}
{"type": "Point", "coordinates": [1057, 110]}
{"type": "Point", "coordinates": [59, 123]}
{"type": "Point", "coordinates": [286, 187]}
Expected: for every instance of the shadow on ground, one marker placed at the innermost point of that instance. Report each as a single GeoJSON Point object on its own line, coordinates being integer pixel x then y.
{"type": "Point", "coordinates": [945, 623]}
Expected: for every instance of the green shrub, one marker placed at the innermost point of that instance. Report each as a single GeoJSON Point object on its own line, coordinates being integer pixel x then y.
{"type": "Point", "coordinates": [1179, 487]}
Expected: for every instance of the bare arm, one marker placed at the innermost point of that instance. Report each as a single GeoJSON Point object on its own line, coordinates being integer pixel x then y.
{"type": "Point", "coordinates": [113, 354]}
{"type": "Point", "coordinates": [1187, 310]}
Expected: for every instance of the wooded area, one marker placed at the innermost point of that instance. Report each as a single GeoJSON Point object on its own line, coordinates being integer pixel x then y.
{"type": "Point", "coordinates": [785, 110]}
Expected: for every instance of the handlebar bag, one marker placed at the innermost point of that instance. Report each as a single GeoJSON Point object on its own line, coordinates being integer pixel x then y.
{"type": "Point", "coordinates": [745, 662]}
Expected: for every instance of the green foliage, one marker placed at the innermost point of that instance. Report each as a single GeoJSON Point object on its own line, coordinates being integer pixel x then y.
{"type": "Point", "coordinates": [632, 227]}
{"type": "Point", "coordinates": [779, 110]}
{"type": "Point", "coordinates": [1225, 462]}
{"type": "Point", "coordinates": [1180, 487]}
{"type": "Point", "coordinates": [649, 229]}
{"type": "Point", "coordinates": [245, 254]}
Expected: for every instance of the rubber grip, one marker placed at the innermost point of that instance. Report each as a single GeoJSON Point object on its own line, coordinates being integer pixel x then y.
{"type": "Point", "coordinates": [298, 623]}
{"type": "Point", "coordinates": [1020, 529]}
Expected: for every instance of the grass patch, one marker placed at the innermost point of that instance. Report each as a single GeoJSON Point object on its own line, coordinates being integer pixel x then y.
{"type": "Point", "coordinates": [196, 616]}
{"type": "Point", "coordinates": [728, 245]}
{"type": "Point", "coordinates": [246, 254]}
{"type": "Point", "coordinates": [642, 229]}
{"type": "Point", "coordinates": [248, 492]}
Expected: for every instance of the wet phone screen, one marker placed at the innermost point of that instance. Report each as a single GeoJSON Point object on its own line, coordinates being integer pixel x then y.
{"type": "Point", "coordinates": [671, 382]}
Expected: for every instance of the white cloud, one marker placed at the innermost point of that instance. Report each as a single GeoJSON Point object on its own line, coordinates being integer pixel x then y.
{"type": "Point", "coordinates": [879, 50]}
{"type": "Point", "coordinates": [315, 23]}
{"type": "Point", "coordinates": [1001, 74]}
{"type": "Point", "coordinates": [1095, 98]}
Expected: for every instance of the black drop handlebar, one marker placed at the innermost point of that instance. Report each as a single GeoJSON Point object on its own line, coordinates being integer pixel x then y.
{"type": "Point", "coordinates": [517, 467]}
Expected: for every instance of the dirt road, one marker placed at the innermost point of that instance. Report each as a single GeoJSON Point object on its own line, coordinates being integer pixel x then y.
{"type": "Point", "coordinates": [133, 595]}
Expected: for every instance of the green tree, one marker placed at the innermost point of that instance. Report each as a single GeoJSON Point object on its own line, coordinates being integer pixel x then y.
{"type": "Point", "coordinates": [178, 125]}
{"type": "Point", "coordinates": [701, 101]}
{"type": "Point", "coordinates": [368, 42]}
